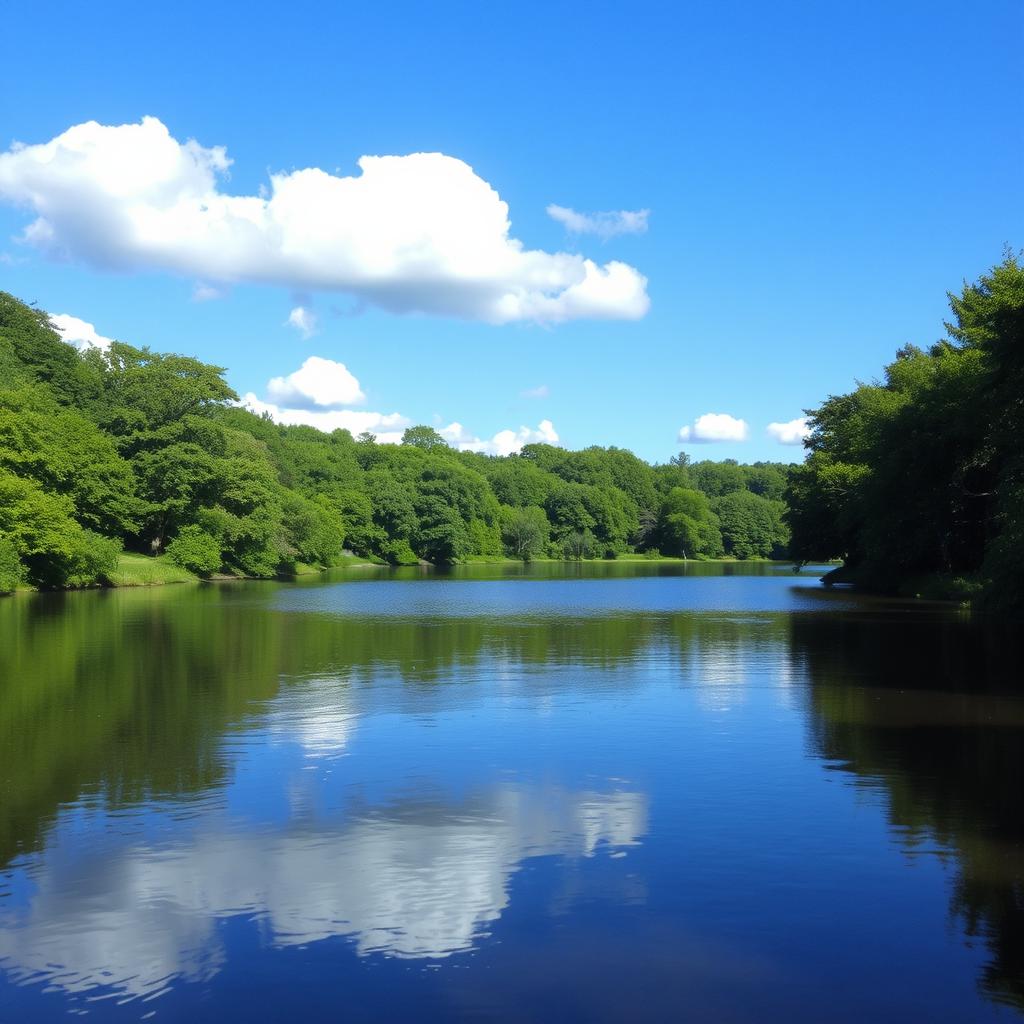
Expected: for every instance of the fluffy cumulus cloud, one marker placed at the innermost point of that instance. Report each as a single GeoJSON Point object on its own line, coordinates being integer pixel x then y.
{"type": "Point", "coordinates": [416, 233]}
{"type": "Point", "coordinates": [714, 427]}
{"type": "Point", "coordinates": [79, 333]}
{"type": "Point", "coordinates": [318, 383]}
{"type": "Point", "coordinates": [792, 432]}
{"type": "Point", "coordinates": [606, 224]}
{"type": "Point", "coordinates": [504, 442]}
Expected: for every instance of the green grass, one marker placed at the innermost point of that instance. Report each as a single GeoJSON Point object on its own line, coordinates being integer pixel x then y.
{"type": "Point", "coordinates": [349, 558]}
{"type": "Point", "coordinates": [302, 569]}
{"type": "Point", "coordinates": [145, 571]}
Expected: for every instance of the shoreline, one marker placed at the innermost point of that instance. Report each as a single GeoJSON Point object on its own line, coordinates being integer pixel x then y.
{"type": "Point", "coordinates": [142, 571]}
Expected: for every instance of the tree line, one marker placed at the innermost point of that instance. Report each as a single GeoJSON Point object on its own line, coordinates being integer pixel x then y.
{"type": "Point", "coordinates": [128, 449]}
{"type": "Point", "coordinates": [916, 481]}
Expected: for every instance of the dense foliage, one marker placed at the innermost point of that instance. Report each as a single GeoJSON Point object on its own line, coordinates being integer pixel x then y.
{"type": "Point", "coordinates": [918, 479]}
{"type": "Point", "coordinates": [151, 452]}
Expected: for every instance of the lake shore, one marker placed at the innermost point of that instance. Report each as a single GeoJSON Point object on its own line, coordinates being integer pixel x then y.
{"type": "Point", "coordinates": [135, 570]}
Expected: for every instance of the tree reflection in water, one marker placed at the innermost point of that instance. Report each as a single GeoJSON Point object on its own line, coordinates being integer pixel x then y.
{"type": "Point", "coordinates": [929, 706]}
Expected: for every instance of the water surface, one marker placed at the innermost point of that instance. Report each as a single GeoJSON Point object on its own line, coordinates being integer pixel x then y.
{"type": "Point", "coordinates": [594, 793]}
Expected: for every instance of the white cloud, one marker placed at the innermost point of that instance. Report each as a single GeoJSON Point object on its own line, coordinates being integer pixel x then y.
{"type": "Point", "coordinates": [386, 427]}
{"type": "Point", "coordinates": [79, 333]}
{"type": "Point", "coordinates": [203, 292]}
{"type": "Point", "coordinates": [504, 442]}
{"type": "Point", "coordinates": [417, 233]}
{"type": "Point", "coordinates": [294, 402]}
{"type": "Point", "coordinates": [303, 320]}
{"type": "Point", "coordinates": [792, 432]}
{"type": "Point", "coordinates": [317, 383]}
{"type": "Point", "coordinates": [606, 224]}
{"type": "Point", "coordinates": [312, 395]}
{"type": "Point", "coordinates": [713, 427]}
{"type": "Point", "coordinates": [538, 392]}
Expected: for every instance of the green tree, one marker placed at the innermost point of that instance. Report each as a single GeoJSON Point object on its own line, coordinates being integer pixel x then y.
{"type": "Point", "coordinates": [67, 454]}
{"type": "Point", "coordinates": [577, 545]}
{"type": "Point", "coordinates": [687, 525]}
{"type": "Point", "coordinates": [920, 475]}
{"type": "Point", "coordinates": [32, 351]}
{"type": "Point", "coordinates": [314, 531]}
{"type": "Point", "coordinates": [364, 535]}
{"type": "Point", "coordinates": [425, 438]}
{"type": "Point", "coordinates": [144, 391]}
{"type": "Point", "coordinates": [524, 531]}
{"type": "Point", "coordinates": [441, 535]}
{"type": "Point", "coordinates": [751, 526]}
{"type": "Point", "coordinates": [518, 482]}
{"type": "Point", "coordinates": [567, 510]}
{"type": "Point", "coordinates": [718, 478]}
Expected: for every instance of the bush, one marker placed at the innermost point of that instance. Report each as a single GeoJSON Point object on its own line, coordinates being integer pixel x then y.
{"type": "Point", "coordinates": [398, 552]}
{"type": "Point", "coordinates": [194, 549]}
{"type": "Point", "coordinates": [94, 560]}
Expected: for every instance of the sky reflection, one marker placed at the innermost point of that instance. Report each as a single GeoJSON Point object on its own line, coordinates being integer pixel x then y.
{"type": "Point", "coordinates": [219, 811]}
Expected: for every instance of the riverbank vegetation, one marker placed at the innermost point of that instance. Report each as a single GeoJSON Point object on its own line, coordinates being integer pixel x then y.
{"type": "Point", "coordinates": [916, 481]}
{"type": "Point", "coordinates": [134, 451]}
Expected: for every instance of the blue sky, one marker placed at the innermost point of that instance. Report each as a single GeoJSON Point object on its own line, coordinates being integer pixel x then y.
{"type": "Point", "coordinates": [817, 177]}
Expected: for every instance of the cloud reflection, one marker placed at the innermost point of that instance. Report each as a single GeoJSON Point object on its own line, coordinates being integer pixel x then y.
{"type": "Point", "coordinates": [414, 880]}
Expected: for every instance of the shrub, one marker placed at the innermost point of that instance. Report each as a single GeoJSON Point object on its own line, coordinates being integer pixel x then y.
{"type": "Point", "coordinates": [94, 560]}
{"type": "Point", "coordinates": [398, 552]}
{"type": "Point", "coordinates": [194, 549]}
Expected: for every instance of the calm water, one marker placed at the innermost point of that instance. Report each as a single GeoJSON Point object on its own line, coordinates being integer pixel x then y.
{"type": "Point", "coordinates": [615, 793]}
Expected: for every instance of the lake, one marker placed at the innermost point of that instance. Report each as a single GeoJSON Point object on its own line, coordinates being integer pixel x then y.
{"type": "Point", "coordinates": [605, 792]}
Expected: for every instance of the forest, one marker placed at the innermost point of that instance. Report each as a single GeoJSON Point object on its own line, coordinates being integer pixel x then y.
{"type": "Point", "coordinates": [127, 450]}
{"type": "Point", "coordinates": [916, 481]}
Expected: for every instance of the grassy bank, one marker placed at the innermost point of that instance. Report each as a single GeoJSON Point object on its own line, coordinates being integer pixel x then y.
{"type": "Point", "coordinates": [145, 571]}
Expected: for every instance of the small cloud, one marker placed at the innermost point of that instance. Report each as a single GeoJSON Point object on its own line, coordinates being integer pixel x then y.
{"type": "Point", "coordinates": [303, 320]}
{"type": "Point", "coordinates": [542, 391]}
{"type": "Point", "coordinates": [386, 427]}
{"type": "Point", "coordinates": [606, 224]}
{"type": "Point", "coordinates": [203, 292]}
{"type": "Point", "coordinates": [792, 432]}
{"type": "Point", "coordinates": [504, 442]}
{"type": "Point", "coordinates": [713, 428]}
{"type": "Point", "coordinates": [318, 383]}
{"type": "Point", "coordinates": [79, 333]}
